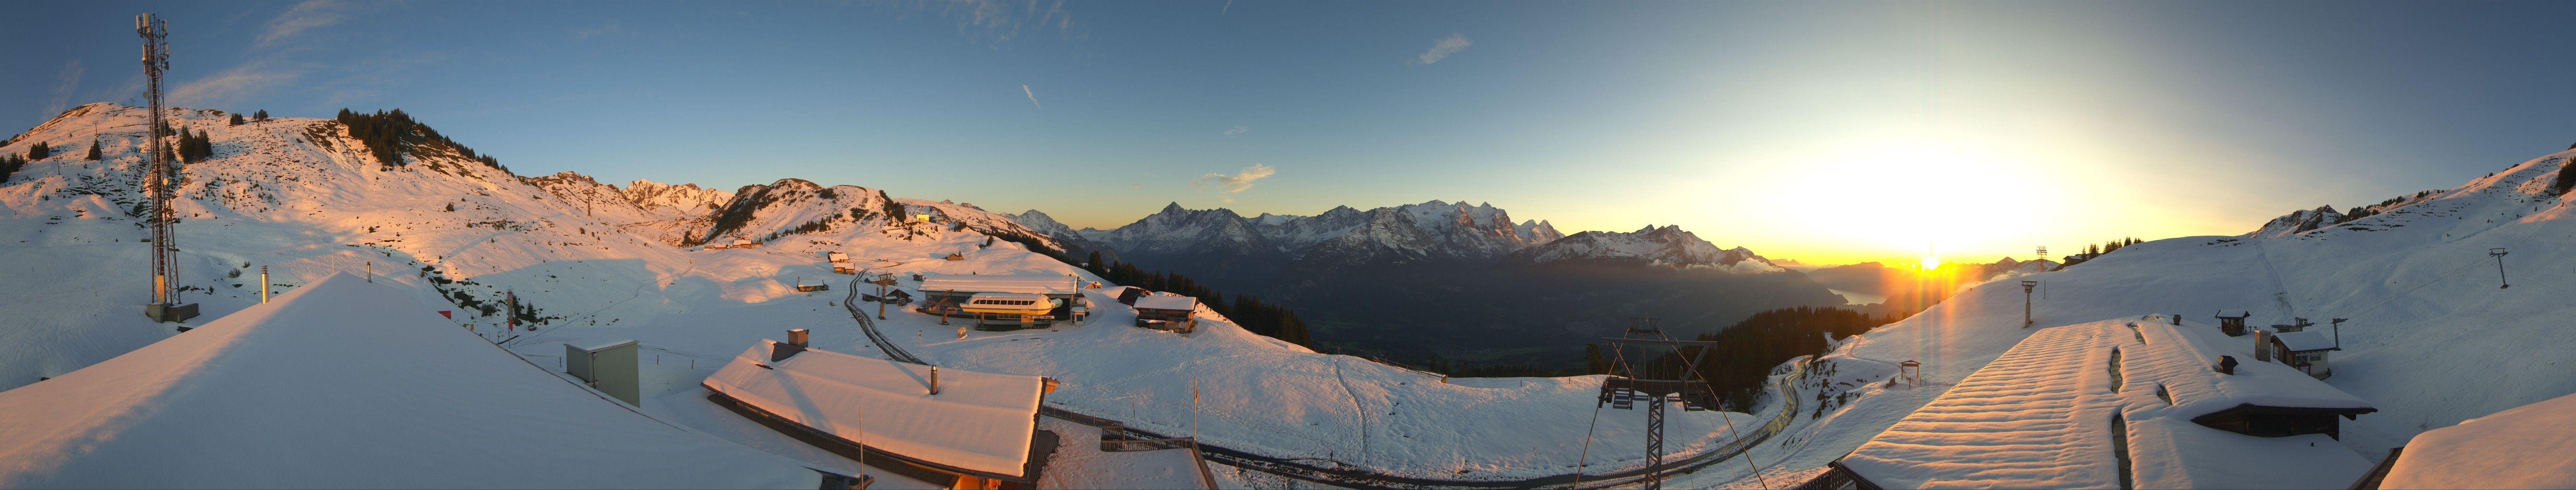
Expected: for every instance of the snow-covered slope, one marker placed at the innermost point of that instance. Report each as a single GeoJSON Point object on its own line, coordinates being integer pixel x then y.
{"type": "Point", "coordinates": [348, 384]}
{"type": "Point", "coordinates": [1667, 246]}
{"type": "Point", "coordinates": [2431, 340]}
{"type": "Point", "coordinates": [300, 197]}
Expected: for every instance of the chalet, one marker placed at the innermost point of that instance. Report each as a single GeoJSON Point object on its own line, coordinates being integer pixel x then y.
{"type": "Point", "coordinates": [952, 295]}
{"type": "Point", "coordinates": [2089, 399]}
{"type": "Point", "coordinates": [2304, 350]}
{"type": "Point", "coordinates": [2234, 326]}
{"type": "Point", "coordinates": [347, 384]}
{"type": "Point", "coordinates": [840, 263]}
{"type": "Point", "coordinates": [2530, 446]}
{"type": "Point", "coordinates": [1167, 311]}
{"type": "Point", "coordinates": [740, 243]}
{"type": "Point", "coordinates": [965, 428]}
{"type": "Point", "coordinates": [802, 287]}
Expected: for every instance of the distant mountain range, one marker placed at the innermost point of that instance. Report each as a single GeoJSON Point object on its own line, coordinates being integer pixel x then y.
{"type": "Point", "coordinates": [1452, 281]}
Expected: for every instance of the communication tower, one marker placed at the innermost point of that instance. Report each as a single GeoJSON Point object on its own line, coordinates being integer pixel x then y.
{"type": "Point", "coordinates": [165, 305]}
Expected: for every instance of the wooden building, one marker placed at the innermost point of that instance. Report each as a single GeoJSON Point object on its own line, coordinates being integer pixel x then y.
{"type": "Point", "coordinates": [2304, 350]}
{"type": "Point", "coordinates": [2087, 400]}
{"type": "Point", "coordinates": [1167, 311]}
{"type": "Point", "coordinates": [966, 429]}
{"type": "Point", "coordinates": [2233, 325]}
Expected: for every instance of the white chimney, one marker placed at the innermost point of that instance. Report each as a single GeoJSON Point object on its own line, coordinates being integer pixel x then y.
{"type": "Point", "coordinates": [2262, 345]}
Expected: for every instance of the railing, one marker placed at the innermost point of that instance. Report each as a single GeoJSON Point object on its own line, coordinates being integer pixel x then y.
{"type": "Point", "coordinates": [1338, 475]}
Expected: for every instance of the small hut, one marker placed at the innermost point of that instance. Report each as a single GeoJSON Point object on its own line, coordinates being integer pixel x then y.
{"type": "Point", "coordinates": [740, 243]}
{"type": "Point", "coordinates": [2233, 325]}
{"type": "Point", "coordinates": [1168, 312]}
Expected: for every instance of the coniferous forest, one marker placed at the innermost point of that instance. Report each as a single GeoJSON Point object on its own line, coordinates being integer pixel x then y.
{"type": "Point", "coordinates": [1251, 313]}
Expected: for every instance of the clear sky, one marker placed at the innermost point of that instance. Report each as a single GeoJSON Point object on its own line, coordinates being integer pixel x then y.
{"type": "Point", "coordinates": [1820, 131]}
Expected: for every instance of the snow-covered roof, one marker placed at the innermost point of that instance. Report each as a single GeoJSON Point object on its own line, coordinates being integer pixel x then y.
{"type": "Point", "coordinates": [345, 383]}
{"type": "Point", "coordinates": [2303, 341]}
{"type": "Point", "coordinates": [979, 422]}
{"type": "Point", "coordinates": [2041, 416]}
{"type": "Point", "coordinates": [1163, 302]}
{"type": "Point", "coordinates": [1001, 283]}
{"type": "Point", "coordinates": [2530, 446]}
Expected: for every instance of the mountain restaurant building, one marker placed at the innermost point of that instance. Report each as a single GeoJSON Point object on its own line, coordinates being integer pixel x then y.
{"type": "Point", "coordinates": [1007, 301]}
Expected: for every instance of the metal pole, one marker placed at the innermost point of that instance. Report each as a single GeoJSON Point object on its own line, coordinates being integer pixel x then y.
{"type": "Point", "coordinates": [2026, 286]}
{"type": "Point", "coordinates": [2499, 254]}
{"type": "Point", "coordinates": [263, 284]}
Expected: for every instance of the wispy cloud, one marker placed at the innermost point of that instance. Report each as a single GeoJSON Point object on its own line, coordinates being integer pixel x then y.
{"type": "Point", "coordinates": [297, 19]}
{"type": "Point", "coordinates": [64, 83]}
{"type": "Point", "coordinates": [1442, 48]}
{"type": "Point", "coordinates": [993, 22]}
{"type": "Point", "coordinates": [1033, 97]}
{"type": "Point", "coordinates": [234, 83]}
{"type": "Point", "coordinates": [610, 28]}
{"type": "Point", "coordinates": [1237, 129]}
{"type": "Point", "coordinates": [1230, 184]}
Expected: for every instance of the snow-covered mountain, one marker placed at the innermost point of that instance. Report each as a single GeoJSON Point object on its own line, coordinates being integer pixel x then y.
{"type": "Point", "coordinates": [1667, 246]}
{"type": "Point", "coordinates": [2307, 220]}
{"type": "Point", "coordinates": [2297, 222]}
{"type": "Point", "coordinates": [588, 261]}
{"type": "Point", "coordinates": [1434, 230]}
{"type": "Point", "coordinates": [2431, 338]}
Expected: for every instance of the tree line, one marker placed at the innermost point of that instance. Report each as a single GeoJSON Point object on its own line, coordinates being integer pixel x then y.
{"type": "Point", "coordinates": [2097, 249]}
{"type": "Point", "coordinates": [388, 135]}
{"type": "Point", "coordinates": [1247, 311]}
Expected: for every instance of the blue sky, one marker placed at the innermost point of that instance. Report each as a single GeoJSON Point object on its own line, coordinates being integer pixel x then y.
{"type": "Point", "coordinates": [1827, 131]}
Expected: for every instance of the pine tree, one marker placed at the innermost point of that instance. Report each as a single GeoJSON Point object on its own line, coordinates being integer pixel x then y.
{"type": "Point", "coordinates": [1094, 263]}
{"type": "Point", "coordinates": [39, 151]}
{"type": "Point", "coordinates": [93, 149]}
{"type": "Point", "coordinates": [262, 115]}
{"type": "Point", "coordinates": [1592, 361]}
{"type": "Point", "coordinates": [237, 120]}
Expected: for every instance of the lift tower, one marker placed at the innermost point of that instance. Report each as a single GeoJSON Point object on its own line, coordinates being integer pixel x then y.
{"type": "Point", "coordinates": [1655, 387]}
{"type": "Point", "coordinates": [165, 305]}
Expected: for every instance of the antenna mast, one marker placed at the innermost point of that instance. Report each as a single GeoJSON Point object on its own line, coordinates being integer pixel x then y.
{"type": "Point", "coordinates": [165, 305]}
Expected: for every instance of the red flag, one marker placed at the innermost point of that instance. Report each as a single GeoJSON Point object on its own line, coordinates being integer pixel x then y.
{"type": "Point", "coordinates": [447, 313]}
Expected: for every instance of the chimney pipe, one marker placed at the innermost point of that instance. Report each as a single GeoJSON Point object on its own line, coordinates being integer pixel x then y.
{"type": "Point", "coordinates": [2226, 365]}
{"type": "Point", "coordinates": [934, 380]}
{"type": "Point", "coordinates": [796, 337]}
{"type": "Point", "coordinates": [2262, 345]}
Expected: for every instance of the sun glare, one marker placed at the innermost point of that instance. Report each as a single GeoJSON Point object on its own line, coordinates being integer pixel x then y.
{"type": "Point", "coordinates": [1930, 262]}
